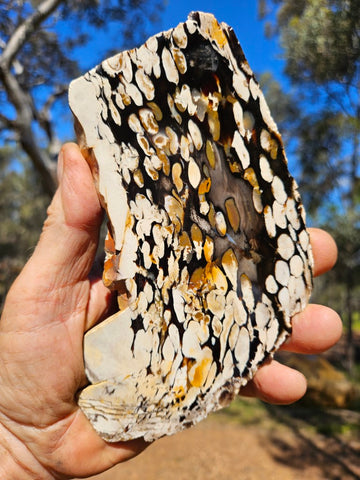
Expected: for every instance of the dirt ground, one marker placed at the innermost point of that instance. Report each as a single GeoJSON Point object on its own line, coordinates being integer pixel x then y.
{"type": "Point", "coordinates": [272, 445]}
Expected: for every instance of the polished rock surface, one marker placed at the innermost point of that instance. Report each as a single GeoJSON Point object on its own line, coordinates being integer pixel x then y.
{"type": "Point", "coordinates": [207, 247]}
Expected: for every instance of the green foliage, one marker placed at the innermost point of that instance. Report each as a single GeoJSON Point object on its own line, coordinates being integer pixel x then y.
{"type": "Point", "coordinates": [319, 148]}
{"type": "Point", "coordinates": [314, 143]}
{"type": "Point", "coordinates": [244, 411]}
{"type": "Point", "coordinates": [43, 45]}
{"type": "Point", "coordinates": [346, 231]}
{"type": "Point", "coordinates": [321, 40]}
{"type": "Point", "coordinates": [321, 49]}
{"type": "Point", "coordinates": [22, 212]}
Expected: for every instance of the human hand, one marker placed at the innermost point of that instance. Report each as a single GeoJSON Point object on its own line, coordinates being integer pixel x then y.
{"type": "Point", "coordinates": [43, 433]}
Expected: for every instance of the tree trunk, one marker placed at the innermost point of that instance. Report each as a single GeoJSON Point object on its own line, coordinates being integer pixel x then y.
{"type": "Point", "coordinates": [21, 100]}
{"type": "Point", "coordinates": [41, 161]}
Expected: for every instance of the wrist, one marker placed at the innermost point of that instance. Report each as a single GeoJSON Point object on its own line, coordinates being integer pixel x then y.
{"type": "Point", "coordinates": [16, 461]}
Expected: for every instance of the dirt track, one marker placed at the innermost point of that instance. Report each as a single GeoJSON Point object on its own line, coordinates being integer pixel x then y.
{"type": "Point", "coordinates": [224, 449]}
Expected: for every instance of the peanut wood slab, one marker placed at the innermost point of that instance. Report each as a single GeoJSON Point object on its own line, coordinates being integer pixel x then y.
{"type": "Point", "coordinates": [207, 247]}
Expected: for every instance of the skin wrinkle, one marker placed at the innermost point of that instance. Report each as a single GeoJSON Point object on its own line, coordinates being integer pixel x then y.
{"type": "Point", "coordinates": [32, 325]}
{"type": "Point", "coordinates": [74, 326]}
{"type": "Point", "coordinates": [24, 466]}
{"type": "Point", "coordinates": [32, 434]}
{"type": "Point", "coordinates": [48, 367]}
{"type": "Point", "coordinates": [28, 418]}
{"type": "Point", "coordinates": [75, 351]}
{"type": "Point", "coordinates": [53, 429]}
{"type": "Point", "coordinates": [79, 264]}
{"type": "Point", "coordinates": [81, 452]}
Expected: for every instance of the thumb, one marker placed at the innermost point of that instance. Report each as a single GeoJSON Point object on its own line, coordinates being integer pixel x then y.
{"type": "Point", "coordinates": [79, 206]}
{"type": "Point", "coordinates": [67, 245]}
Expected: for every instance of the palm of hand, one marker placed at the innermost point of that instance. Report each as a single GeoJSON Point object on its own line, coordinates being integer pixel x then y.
{"type": "Point", "coordinates": [47, 311]}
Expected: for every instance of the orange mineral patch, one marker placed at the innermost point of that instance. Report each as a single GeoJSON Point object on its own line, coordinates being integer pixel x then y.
{"type": "Point", "coordinates": [217, 33]}
{"type": "Point", "coordinates": [199, 373]}
{"type": "Point", "coordinates": [180, 139]}
{"type": "Point", "coordinates": [232, 214]}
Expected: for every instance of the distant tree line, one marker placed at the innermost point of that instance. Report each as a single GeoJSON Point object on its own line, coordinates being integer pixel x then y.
{"type": "Point", "coordinates": [40, 52]}
{"type": "Point", "coordinates": [320, 117]}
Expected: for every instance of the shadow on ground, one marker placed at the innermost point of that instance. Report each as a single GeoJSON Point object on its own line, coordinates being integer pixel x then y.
{"type": "Point", "coordinates": [329, 440]}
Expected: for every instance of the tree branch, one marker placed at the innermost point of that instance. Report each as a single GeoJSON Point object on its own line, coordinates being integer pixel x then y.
{"type": "Point", "coordinates": [25, 30]}
{"type": "Point", "coordinates": [40, 159]}
{"type": "Point", "coordinates": [25, 115]}
{"type": "Point", "coordinates": [22, 101]}
{"type": "Point", "coordinates": [7, 122]}
{"type": "Point", "coordinates": [44, 115]}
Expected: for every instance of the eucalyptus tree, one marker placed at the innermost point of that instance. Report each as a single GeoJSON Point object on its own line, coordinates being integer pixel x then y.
{"type": "Point", "coordinates": [22, 212]}
{"type": "Point", "coordinates": [42, 46]}
{"type": "Point", "coordinates": [320, 41]}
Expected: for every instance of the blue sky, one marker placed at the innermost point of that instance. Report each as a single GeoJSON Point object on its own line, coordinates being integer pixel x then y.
{"type": "Point", "coordinates": [262, 54]}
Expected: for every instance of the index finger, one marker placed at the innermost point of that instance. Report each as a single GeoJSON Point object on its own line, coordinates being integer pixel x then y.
{"type": "Point", "coordinates": [324, 250]}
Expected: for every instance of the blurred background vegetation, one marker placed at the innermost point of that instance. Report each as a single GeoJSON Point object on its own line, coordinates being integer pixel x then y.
{"type": "Point", "coordinates": [318, 114]}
